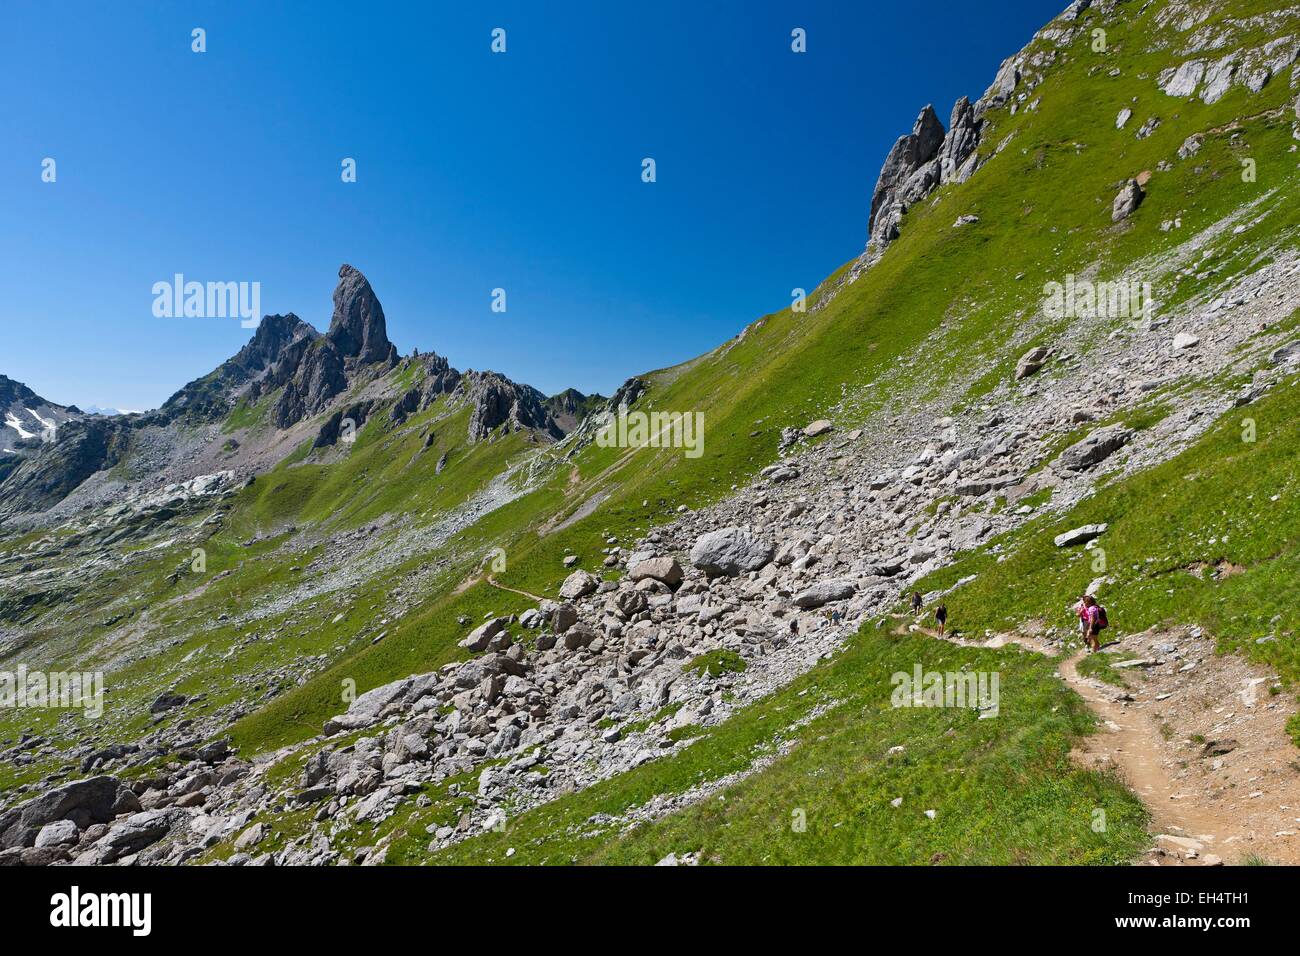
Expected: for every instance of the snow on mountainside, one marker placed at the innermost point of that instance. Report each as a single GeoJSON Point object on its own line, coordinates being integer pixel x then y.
{"type": "Point", "coordinates": [27, 419]}
{"type": "Point", "coordinates": [110, 412]}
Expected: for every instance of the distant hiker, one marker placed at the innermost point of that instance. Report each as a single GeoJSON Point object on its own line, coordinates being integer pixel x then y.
{"type": "Point", "coordinates": [835, 616]}
{"type": "Point", "coordinates": [1096, 623]}
{"type": "Point", "coordinates": [916, 603]}
{"type": "Point", "coordinates": [941, 615]}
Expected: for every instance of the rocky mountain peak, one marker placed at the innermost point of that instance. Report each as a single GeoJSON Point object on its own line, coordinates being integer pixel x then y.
{"type": "Point", "coordinates": [496, 401]}
{"type": "Point", "coordinates": [918, 163]}
{"type": "Point", "coordinates": [357, 328]}
{"type": "Point", "coordinates": [275, 334]}
{"type": "Point", "coordinates": [11, 391]}
{"type": "Point", "coordinates": [27, 420]}
{"type": "Point", "coordinates": [911, 171]}
{"type": "Point", "coordinates": [570, 407]}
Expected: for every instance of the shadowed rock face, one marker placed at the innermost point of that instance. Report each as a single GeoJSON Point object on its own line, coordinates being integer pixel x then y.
{"type": "Point", "coordinates": [570, 407]}
{"type": "Point", "coordinates": [313, 369]}
{"type": "Point", "coordinates": [956, 156]}
{"type": "Point", "coordinates": [11, 392]}
{"type": "Point", "coordinates": [274, 335]}
{"type": "Point", "coordinates": [84, 446]}
{"type": "Point", "coordinates": [907, 172]}
{"type": "Point", "coordinates": [317, 376]}
{"type": "Point", "coordinates": [357, 327]}
{"type": "Point", "coordinates": [498, 401]}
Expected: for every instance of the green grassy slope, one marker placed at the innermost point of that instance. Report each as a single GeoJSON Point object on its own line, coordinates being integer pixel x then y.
{"type": "Point", "coordinates": [1211, 537]}
{"type": "Point", "coordinates": [943, 306]}
{"type": "Point", "coordinates": [1044, 208]}
{"type": "Point", "coordinates": [938, 297]}
{"type": "Point", "coordinates": [1003, 790]}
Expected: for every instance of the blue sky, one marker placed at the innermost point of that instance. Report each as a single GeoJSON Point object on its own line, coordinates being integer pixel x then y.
{"type": "Point", "coordinates": [474, 171]}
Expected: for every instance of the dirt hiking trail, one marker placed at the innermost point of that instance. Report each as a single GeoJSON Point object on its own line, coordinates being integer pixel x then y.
{"type": "Point", "coordinates": [1196, 735]}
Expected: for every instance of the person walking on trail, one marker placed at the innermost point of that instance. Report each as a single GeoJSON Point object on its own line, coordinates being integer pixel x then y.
{"type": "Point", "coordinates": [1095, 616]}
{"type": "Point", "coordinates": [941, 617]}
{"type": "Point", "coordinates": [916, 603]}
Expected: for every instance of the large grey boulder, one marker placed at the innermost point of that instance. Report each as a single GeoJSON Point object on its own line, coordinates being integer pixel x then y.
{"type": "Point", "coordinates": [580, 635]}
{"type": "Point", "coordinates": [130, 836]}
{"type": "Point", "coordinates": [563, 617]}
{"type": "Point", "coordinates": [665, 569]}
{"type": "Point", "coordinates": [84, 802]}
{"type": "Point", "coordinates": [729, 552]}
{"type": "Point", "coordinates": [1079, 535]}
{"type": "Point", "coordinates": [824, 592]}
{"type": "Point", "coordinates": [481, 636]}
{"type": "Point", "coordinates": [1032, 361]}
{"type": "Point", "coordinates": [1129, 198]}
{"type": "Point", "coordinates": [58, 833]}
{"type": "Point", "coordinates": [474, 672]}
{"type": "Point", "coordinates": [578, 584]}
{"type": "Point", "coordinates": [1098, 446]}
{"type": "Point", "coordinates": [631, 602]}
{"type": "Point", "coordinates": [370, 706]}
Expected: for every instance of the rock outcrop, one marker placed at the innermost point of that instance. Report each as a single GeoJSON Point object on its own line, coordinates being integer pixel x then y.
{"type": "Point", "coordinates": [910, 172]}
{"type": "Point", "coordinates": [82, 802]}
{"type": "Point", "coordinates": [358, 328]}
{"type": "Point", "coordinates": [1130, 196]}
{"type": "Point", "coordinates": [919, 163]}
{"type": "Point", "coordinates": [498, 401]}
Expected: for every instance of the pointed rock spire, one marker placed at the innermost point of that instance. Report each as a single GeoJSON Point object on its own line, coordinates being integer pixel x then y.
{"type": "Point", "coordinates": [909, 172]}
{"type": "Point", "coordinates": [357, 327]}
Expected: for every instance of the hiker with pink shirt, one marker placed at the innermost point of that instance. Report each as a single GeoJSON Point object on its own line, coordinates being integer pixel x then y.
{"type": "Point", "coordinates": [1095, 623]}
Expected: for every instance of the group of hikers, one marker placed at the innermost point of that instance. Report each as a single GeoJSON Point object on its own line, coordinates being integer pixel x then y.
{"type": "Point", "coordinates": [940, 613]}
{"type": "Point", "coordinates": [1092, 618]}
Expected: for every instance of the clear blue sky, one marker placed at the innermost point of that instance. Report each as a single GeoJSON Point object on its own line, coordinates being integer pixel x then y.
{"type": "Point", "coordinates": [475, 171]}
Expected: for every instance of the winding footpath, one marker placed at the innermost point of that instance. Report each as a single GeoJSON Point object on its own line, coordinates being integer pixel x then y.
{"type": "Point", "coordinates": [1191, 824]}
